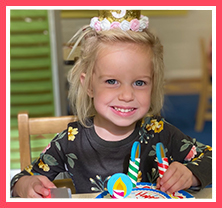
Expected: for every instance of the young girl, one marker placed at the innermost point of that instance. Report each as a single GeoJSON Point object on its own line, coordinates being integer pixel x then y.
{"type": "Point", "coordinates": [116, 89]}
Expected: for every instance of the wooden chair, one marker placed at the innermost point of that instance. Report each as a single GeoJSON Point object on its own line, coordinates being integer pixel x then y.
{"type": "Point", "coordinates": [39, 126]}
{"type": "Point", "coordinates": [204, 111]}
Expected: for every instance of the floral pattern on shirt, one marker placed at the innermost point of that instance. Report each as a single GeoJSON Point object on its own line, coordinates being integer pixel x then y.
{"type": "Point", "coordinates": [149, 127]}
{"type": "Point", "coordinates": [191, 154]}
{"type": "Point", "coordinates": [99, 184]}
{"type": "Point", "coordinates": [71, 133]}
{"type": "Point", "coordinates": [29, 169]}
{"type": "Point", "coordinates": [157, 127]}
{"type": "Point", "coordinates": [70, 159]}
{"type": "Point", "coordinates": [44, 166]}
{"type": "Point", "coordinates": [71, 151]}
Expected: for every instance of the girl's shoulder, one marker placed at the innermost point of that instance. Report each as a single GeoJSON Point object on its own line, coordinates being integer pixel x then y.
{"type": "Point", "coordinates": [152, 120]}
{"type": "Point", "coordinates": [158, 124]}
{"type": "Point", "coordinates": [77, 124]}
{"type": "Point", "coordinates": [71, 134]}
{"type": "Point", "coordinates": [77, 128]}
{"type": "Point", "coordinates": [72, 129]}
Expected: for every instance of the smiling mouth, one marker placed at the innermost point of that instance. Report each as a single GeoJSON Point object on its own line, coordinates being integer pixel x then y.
{"type": "Point", "coordinates": [124, 110]}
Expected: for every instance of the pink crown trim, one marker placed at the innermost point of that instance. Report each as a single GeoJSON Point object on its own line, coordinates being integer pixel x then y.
{"type": "Point", "coordinates": [134, 24]}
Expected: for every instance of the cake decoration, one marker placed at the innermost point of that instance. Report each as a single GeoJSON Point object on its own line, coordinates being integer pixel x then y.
{"type": "Point", "coordinates": [149, 191]}
{"type": "Point", "coordinates": [162, 159]}
{"type": "Point", "coordinates": [119, 186]}
{"type": "Point", "coordinates": [122, 186]}
{"type": "Point", "coordinates": [134, 163]}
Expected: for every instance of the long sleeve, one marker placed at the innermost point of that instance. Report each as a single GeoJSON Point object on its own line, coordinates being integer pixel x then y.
{"type": "Point", "coordinates": [50, 162]}
{"type": "Point", "coordinates": [201, 164]}
{"type": "Point", "coordinates": [178, 147]}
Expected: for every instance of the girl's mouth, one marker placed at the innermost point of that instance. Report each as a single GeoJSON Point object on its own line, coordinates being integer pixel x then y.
{"type": "Point", "coordinates": [123, 110]}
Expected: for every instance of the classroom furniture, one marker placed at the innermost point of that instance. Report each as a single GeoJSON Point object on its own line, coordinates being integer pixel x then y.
{"type": "Point", "coordinates": [204, 111]}
{"type": "Point", "coordinates": [38, 127]}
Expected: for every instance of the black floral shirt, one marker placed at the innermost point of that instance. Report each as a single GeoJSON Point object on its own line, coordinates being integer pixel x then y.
{"type": "Point", "coordinates": [90, 160]}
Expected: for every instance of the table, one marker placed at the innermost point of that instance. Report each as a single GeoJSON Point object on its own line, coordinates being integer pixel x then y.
{"type": "Point", "coordinates": [203, 194]}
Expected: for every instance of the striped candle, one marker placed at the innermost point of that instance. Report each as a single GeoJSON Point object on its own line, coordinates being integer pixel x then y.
{"type": "Point", "coordinates": [118, 194]}
{"type": "Point", "coordinates": [162, 167]}
{"type": "Point", "coordinates": [133, 170]}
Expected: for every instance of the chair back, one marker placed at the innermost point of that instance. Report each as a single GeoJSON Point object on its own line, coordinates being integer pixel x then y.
{"type": "Point", "coordinates": [37, 126]}
{"type": "Point", "coordinates": [204, 111]}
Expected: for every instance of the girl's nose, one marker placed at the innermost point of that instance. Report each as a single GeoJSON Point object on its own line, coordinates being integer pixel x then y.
{"type": "Point", "coordinates": [126, 93]}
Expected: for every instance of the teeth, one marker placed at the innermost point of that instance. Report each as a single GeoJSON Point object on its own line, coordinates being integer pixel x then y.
{"type": "Point", "coordinates": [123, 110]}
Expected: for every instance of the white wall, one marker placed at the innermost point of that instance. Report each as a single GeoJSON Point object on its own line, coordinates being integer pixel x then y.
{"type": "Point", "coordinates": [179, 35]}
{"type": "Point", "coordinates": [180, 38]}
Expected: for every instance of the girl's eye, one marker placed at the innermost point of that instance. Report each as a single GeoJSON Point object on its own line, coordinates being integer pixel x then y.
{"type": "Point", "coordinates": [139, 83]}
{"type": "Point", "coordinates": [111, 81]}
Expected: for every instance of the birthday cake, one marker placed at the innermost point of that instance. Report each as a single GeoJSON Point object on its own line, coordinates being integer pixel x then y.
{"type": "Point", "coordinates": [149, 191]}
{"type": "Point", "coordinates": [121, 186]}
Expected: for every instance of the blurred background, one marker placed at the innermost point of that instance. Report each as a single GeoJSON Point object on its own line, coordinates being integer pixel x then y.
{"type": "Point", "coordinates": [39, 66]}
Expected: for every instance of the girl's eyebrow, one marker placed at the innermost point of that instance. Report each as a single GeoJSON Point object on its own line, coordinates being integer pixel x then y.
{"type": "Point", "coordinates": [106, 75]}
{"type": "Point", "coordinates": [144, 77]}
{"type": "Point", "coordinates": [113, 76]}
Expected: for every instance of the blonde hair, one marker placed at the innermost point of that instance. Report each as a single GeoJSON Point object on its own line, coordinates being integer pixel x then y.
{"type": "Point", "coordinates": [81, 103]}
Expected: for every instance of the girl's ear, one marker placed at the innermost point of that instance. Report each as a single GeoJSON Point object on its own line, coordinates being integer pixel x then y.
{"type": "Point", "coordinates": [82, 80]}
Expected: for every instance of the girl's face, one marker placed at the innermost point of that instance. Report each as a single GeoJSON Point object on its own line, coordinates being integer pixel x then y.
{"type": "Point", "coordinates": [121, 85]}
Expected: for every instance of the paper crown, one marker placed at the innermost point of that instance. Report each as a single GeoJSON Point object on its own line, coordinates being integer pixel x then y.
{"type": "Point", "coordinates": [124, 19]}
